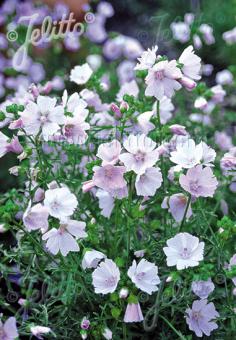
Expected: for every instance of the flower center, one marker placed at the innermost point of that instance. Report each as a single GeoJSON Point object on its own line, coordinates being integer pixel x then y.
{"type": "Point", "coordinates": [194, 186]}
{"type": "Point", "coordinates": [139, 156]}
{"type": "Point", "coordinates": [185, 254]}
{"type": "Point", "coordinates": [196, 315]}
{"type": "Point", "coordinates": [111, 281]}
{"type": "Point", "coordinates": [159, 75]}
{"type": "Point", "coordinates": [108, 173]}
{"type": "Point", "coordinates": [140, 276]}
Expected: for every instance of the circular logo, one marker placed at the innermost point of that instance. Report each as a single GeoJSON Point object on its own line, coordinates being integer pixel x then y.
{"type": "Point", "coordinates": [12, 35]}
{"type": "Point", "coordinates": [89, 17]}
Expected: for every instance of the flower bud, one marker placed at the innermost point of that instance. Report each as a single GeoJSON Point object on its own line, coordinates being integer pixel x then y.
{"type": "Point", "coordinates": [123, 293]}
{"type": "Point", "coordinates": [188, 83]}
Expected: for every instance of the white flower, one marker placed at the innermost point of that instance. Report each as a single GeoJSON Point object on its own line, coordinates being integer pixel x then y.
{"type": "Point", "coordinates": [141, 154]}
{"type": "Point", "coordinates": [187, 155]}
{"type": "Point", "coordinates": [183, 251]}
{"type": "Point", "coordinates": [106, 277]}
{"type": "Point", "coordinates": [80, 74]}
{"type": "Point", "coordinates": [109, 152]}
{"type": "Point", "coordinates": [92, 258]}
{"type": "Point", "coordinates": [144, 276]}
{"type": "Point", "coordinates": [106, 202]}
{"type": "Point", "coordinates": [191, 63]}
{"type": "Point", "coordinates": [147, 59]}
{"type": "Point", "coordinates": [74, 103]}
{"type": "Point", "coordinates": [208, 154]}
{"type": "Point", "coordinates": [147, 183]}
{"type": "Point", "coordinates": [130, 88]}
{"type": "Point", "coordinates": [60, 202]}
{"type": "Point", "coordinates": [39, 330]}
{"type": "Point", "coordinates": [45, 114]}
{"type": "Point", "coordinates": [62, 239]}
{"type": "Point", "coordinates": [94, 61]}
{"type": "Point", "coordinates": [224, 77]}
{"type": "Point", "coordinates": [162, 79]}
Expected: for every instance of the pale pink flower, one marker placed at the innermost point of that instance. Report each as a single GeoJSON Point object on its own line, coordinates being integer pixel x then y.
{"type": "Point", "coordinates": [191, 63]}
{"type": "Point", "coordinates": [228, 162]}
{"type": "Point", "coordinates": [80, 74]}
{"type": "Point", "coordinates": [144, 122]}
{"type": "Point", "coordinates": [132, 49]}
{"type": "Point", "coordinates": [203, 288]}
{"type": "Point", "coordinates": [85, 323]}
{"type": "Point", "coordinates": [8, 330]}
{"type": "Point", "coordinates": [4, 141]}
{"type": "Point", "coordinates": [181, 31]}
{"type": "Point", "coordinates": [199, 318]}
{"type": "Point", "coordinates": [74, 129]}
{"type": "Point", "coordinates": [230, 36]}
{"type": "Point", "coordinates": [140, 253]}
{"type": "Point", "coordinates": [179, 130]}
{"type": "Point", "coordinates": [144, 276]}
{"type": "Point", "coordinates": [176, 205]}
{"type": "Point", "coordinates": [141, 153]}
{"type": "Point", "coordinates": [200, 103]}
{"type": "Point", "coordinates": [106, 202]}
{"type": "Point", "coordinates": [223, 140]}
{"type": "Point", "coordinates": [162, 79]}
{"type": "Point", "coordinates": [37, 331]}
{"type": "Point", "coordinates": [109, 152]}
{"type": "Point", "coordinates": [197, 41]}
{"type": "Point", "coordinates": [45, 114]}
{"type": "Point", "coordinates": [199, 181]}
{"type": "Point", "coordinates": [109, 177]}
{"type": "Point", "coordinates": [147, 59]}
{"type": "Point", "coordinates": [92, 258]}
{"type": "Point", "coordinates": [131, 88]}
{"type": "Point", "coordinates": [184, 251]}
{"type": "Point", "coordinates": [224, 77]}
{"type": "Point", "coordinates": [189, 18]}
{"type": "Point", "coordinates": [133, 313]}
{"type": "Point", "coordinates": [232, 263]}
{"type": "Point", "coordinates": [106, 277]}
{"type": "Point", "coordinates": [64, 239]}
{"type": "Point", "coordinates": [165, 109]}
{"type": "Point", "coordinates": [36, 217]}
{"type": "Point", "coordinates": [125, 71]}
{"type": "Point", "coordinates": [15, 146]}
{"type": "Point", "coordinates": [218, 94]}
{"type": "Point", "coordinates": [60, 202]}
{"type": "Point", "coordinates": [107, 334]}
{"type": "Point", "coordinates": [147, 183]}
{"type": "Point", "coordinates": [207, 32]}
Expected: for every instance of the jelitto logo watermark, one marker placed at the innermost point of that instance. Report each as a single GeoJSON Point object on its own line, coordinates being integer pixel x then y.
{"type": "Point", "coordinates": [50, 30]}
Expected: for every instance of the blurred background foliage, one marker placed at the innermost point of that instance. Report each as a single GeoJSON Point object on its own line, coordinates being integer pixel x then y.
{"type": "Point", "coordinates": [149, 21]}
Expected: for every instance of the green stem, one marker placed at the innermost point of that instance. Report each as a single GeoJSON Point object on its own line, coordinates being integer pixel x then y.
{"type": "Point", "coordinates": [185, 213]}
{"type": "Point", "coordinates": [173, 328]}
